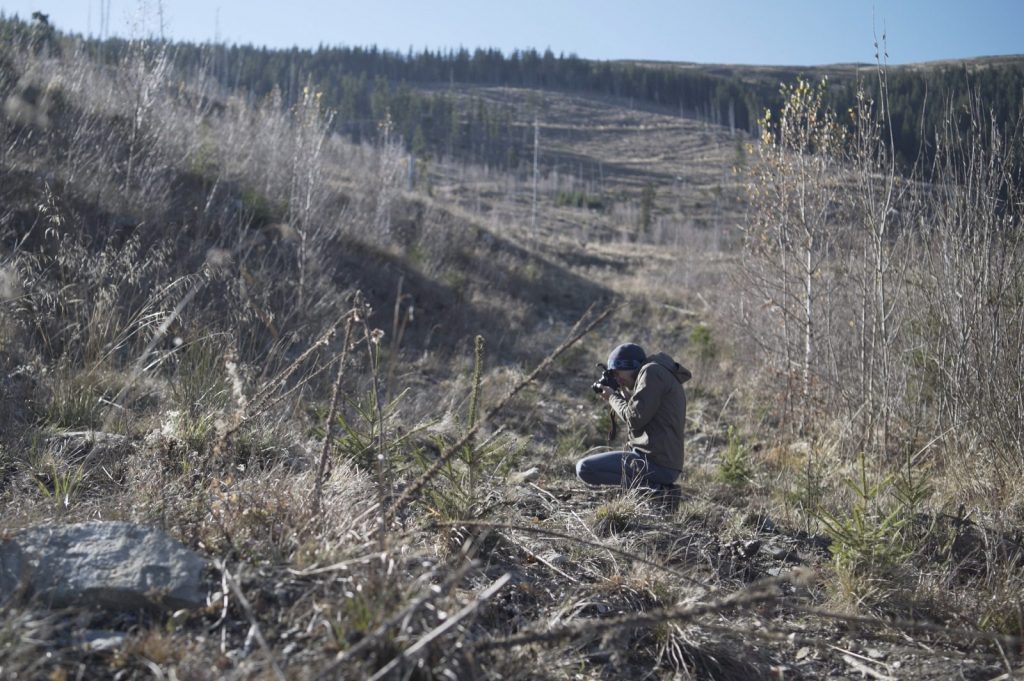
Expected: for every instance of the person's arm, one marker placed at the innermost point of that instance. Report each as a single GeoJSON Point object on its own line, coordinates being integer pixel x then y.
{"type": "Point", "coordinates": [642, 404]}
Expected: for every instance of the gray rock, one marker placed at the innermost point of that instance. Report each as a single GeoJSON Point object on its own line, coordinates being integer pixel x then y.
{"type": "Point", "coordinates": [112, 565]}
{"type": "Point", "coordinates": [785, 553]}
{"type": "Point", "coordinates": [96, 641]}
{"type": "Point", "coordinates": [555, 558]}
{"type": "Point", "coordinates": [750, 548]}
{"type": "Point", "coordinates": [761, 523]}
{"type": "Point", "coordinates": [11, 569]}
{"type": "Point", "coordinates": [526, 476]}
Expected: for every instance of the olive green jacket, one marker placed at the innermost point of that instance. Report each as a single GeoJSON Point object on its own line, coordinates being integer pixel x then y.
{"type": "Point", "coordinates": [655, 411]}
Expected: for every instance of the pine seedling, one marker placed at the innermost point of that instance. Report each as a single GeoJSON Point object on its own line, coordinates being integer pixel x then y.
{"type": "Point", "coordinates": [734, 466]}
{"type": "Point", "coordinates": [868, 544]}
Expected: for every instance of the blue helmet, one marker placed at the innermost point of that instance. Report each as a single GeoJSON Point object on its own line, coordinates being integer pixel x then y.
{"type": "Point", "coordinates": [627, 357]}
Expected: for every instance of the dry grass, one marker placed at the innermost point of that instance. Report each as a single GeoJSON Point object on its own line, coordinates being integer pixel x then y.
{"type": "Point", "coordinates": [194, 305]}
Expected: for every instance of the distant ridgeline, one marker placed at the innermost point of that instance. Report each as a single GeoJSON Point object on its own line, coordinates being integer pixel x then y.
{"type": "Point", "coordinates": [417, 91]}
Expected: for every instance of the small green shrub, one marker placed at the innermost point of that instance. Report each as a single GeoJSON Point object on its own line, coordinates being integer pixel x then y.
{"type": "Point", "coordinates": [734, 466]}
{"type": "Point", "coordinates": [457, 495]}
{"type": "Point", "coordinates": [258, 208]}
{"type": "Point", "coordinates": [619, 515]}
{"type": "Point", "coordinates": [1001, 601]}
{"type": "Point", "coordinates": [808, 491]}
{"type": "Point", "coordinates": [59, 484]}
{"type": "Point", "coordinates": [57, 480]}
{"type": "Point", "coordinates": [571, 440]}
{"type": "Point", "coordinates": [460, 490]}
{"type": "Point", "coordinates": [647, 197]}
{"type": "Point", "coordinates": [579, 199]}
{"type": "Point", "coordinates": [704, 346]}
{"type": "Point", "coordinates": [358, 427]}
{"type": "Point", "coordinates": [869, 546]}
{"type": "Point", "coordinates": [76, 401]}
{"type": "Point", "coordinates": [456, 281]}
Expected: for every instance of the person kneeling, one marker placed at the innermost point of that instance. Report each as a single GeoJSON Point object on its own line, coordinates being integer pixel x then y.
{"type": "Point", "coordinates": [651, 402]}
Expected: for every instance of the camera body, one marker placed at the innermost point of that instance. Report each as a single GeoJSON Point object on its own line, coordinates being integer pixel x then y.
{"type": "Point", "coordinates": [607, 380]}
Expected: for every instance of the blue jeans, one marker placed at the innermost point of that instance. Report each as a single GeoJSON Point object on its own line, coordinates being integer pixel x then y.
{"type": "Point", "coordinates": [630, 469]}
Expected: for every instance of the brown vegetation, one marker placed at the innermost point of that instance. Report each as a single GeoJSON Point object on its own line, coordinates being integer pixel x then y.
{"type": "Point", "coordinates": [321, 379]}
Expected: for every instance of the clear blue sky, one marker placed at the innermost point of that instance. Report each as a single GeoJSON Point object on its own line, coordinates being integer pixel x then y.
{"type": "Point", "coordinates": [795, 32]}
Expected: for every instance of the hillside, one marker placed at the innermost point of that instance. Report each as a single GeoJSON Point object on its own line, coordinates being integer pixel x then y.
{"type": "Point", "coordinates": [351, 373]}
{"type": "Point", "coordinates": [374, 90]}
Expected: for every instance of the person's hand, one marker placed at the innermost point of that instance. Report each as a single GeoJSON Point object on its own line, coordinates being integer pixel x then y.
{"type": "Point", "coordinates": [606, 392]}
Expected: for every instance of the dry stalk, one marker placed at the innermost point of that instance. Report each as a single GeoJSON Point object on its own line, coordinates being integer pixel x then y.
{"type": "Point", "coordinates": [862, 664]}
{"type": "Point", "coordinates": [791, 637]}
{"type": "Point", "coordinates": [140, 364]}
{"type": "Point", "coordinates": [398, 325]}
{"type": "Point", "coordinates": [578, 540]}
{"type": "Point", "coordinates": [904, 625]}
{"type": "Point", "coordinates": [325, 452]}
{"type": "Point", "coordinates": [372, 339]}
{"type": "Point", "coordinates": [413, 491]}
{"type": "Point", "coordinates": [343, 565]}
{"type": "Point", "coordinates": [540, 559]}
{"type": "Point", "coordinates": [244, 602]}
{"type": "Point", "coordinates": [761, 592]}
{"type": "Point", "coordinates": [260, 399]}
{"type": "Point", "coordinates": [414, 651]}
{"type": "Point", "coordinates": [431, 594]}
{"type": "Point", "coordinates": [281, 397]}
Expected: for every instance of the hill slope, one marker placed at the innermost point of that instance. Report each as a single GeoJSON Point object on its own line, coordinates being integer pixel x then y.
{"type": "Point", "coordinates": [292, 344]}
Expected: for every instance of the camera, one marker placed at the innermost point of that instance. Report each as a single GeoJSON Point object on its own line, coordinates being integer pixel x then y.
{"type": "Point", "coordinates": [607, 380]}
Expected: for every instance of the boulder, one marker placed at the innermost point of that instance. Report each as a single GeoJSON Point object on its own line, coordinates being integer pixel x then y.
{"type": "Point", "coordinates": [111, 565]}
